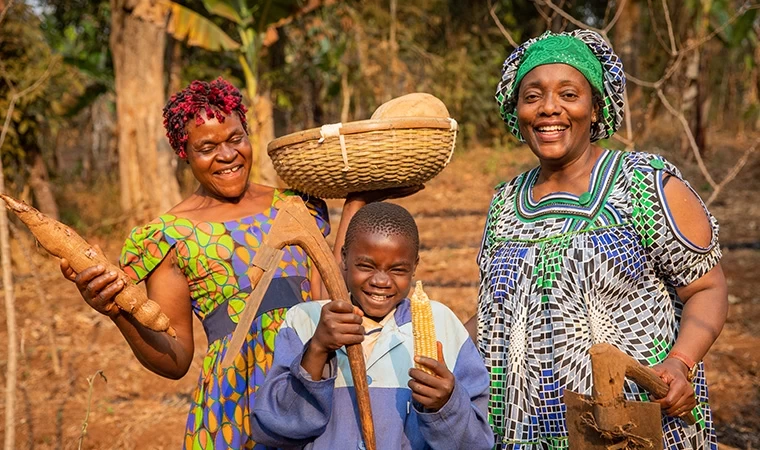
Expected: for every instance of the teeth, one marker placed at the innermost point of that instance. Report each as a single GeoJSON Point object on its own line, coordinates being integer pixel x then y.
{"type": "Point", "coordinates": [552, 128]}
{"type": "Point", "coordinates": [226, 171]}
{"type": "Point", "coordinates": [378, 298]}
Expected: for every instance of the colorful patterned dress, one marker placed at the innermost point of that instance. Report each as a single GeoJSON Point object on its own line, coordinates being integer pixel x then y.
{"type": "Point", "coordinates": [215, 257]}
{"type": "Point", "coordinates": [570, 271]}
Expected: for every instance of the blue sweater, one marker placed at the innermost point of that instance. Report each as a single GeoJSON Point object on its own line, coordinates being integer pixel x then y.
{"type": "Point", "coordinates": [292, 410]}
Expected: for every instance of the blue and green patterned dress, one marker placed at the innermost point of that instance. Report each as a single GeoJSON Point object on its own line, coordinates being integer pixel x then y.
{"type": "Point", "coordinates": [215, 257]}
{"type": "Point", "coordinates": [566, 272]}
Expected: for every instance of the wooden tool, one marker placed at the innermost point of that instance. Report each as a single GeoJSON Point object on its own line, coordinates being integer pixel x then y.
{"type": "Point", "coordinates": [294, 225]}
{"type": "Point", "coordinates": [605, 420]}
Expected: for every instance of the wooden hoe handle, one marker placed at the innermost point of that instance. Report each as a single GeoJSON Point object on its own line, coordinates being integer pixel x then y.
{"type": "Point", "coordinates": [610, 366]}
{"type": "Point", "coordinates": [294, 225]}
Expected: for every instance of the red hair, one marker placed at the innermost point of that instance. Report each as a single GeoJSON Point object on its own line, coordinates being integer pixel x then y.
{"type": "Point", "coordinates": [217, 99]}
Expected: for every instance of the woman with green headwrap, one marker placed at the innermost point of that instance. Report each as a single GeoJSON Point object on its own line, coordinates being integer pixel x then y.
{"type": "Point", "coordinates": [591, 246]}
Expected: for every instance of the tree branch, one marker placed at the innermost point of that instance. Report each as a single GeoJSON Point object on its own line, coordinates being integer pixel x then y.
{"type": "Point", "coordinates": [671, 36]}
{"type": "Point", "coordinates": [5, 10]}
{"type": "Point", "coordinates": [492, 11]}
{"type": "Point", "coordinates": [617, 16]}
{"type": "Point", "coordinates": [732, 19]}
{"type": "Point", "coordinates": [732, 173]}
{"type": "Point", "coordinates": [568, 17]}
{"type": "Point", "coordinates": [692, 142]}
{"type": "Point", "coordinates": [655, 27]}
{"type": "Point", "coordinates": [543, 15]}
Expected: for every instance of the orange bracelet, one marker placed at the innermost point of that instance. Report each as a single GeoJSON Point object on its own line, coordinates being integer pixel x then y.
{"type": "Point", "coordinates": [683, 358]}
{"type": "Point", "coordinates": [688, 362]}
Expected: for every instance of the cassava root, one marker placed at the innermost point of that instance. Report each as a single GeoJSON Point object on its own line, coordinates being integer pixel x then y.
{"type": "Point", "coordinates": [63, 242]}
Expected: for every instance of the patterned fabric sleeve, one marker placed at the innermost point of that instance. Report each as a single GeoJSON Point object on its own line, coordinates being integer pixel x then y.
{"type": "Point", "coordinates": [677, 260]}
{"type": "Point", "coordinates": [145, 248]}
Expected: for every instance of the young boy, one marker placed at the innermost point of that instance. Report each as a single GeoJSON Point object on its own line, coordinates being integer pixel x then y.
{"type": "Point", "coordinates": [308, 399]}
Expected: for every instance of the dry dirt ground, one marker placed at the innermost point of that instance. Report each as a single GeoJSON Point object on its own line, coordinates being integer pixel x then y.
{"type": "Point", "coordinates": [64, 343]}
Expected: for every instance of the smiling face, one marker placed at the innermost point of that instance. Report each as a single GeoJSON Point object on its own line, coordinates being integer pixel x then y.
{"type": "Point", "coordinates": [378, 269]}
{"type": "Point", "coordinates": [220, 156]}
{"type": "Point", "coordinates": [554, 110]}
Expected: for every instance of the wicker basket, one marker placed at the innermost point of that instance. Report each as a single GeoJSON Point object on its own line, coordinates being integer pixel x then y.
{"type": "Point", "coordinates": [335, 160]}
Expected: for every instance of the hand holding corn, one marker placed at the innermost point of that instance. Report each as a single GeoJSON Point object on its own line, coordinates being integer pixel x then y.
{"type": "Point", "coordinates": [431, 380]}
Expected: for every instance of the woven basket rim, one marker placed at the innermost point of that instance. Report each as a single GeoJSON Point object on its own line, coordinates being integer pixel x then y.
{"type": "Point", "coordinates": [365, 126]}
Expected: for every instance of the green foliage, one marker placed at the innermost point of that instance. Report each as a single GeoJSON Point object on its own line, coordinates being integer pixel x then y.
{"type": "Point", "coordinates": [225, 9]}
{"type": "Point", "coordinates": [197, 30]}
{"type": "Point", "coordinates": [78, 31]}
{"type": "Point", "coordinates": [446, 48]}
{"type": "Point", "coordinates": [24, 57]}
{"type": "Point", "coordinates": [251, 20]}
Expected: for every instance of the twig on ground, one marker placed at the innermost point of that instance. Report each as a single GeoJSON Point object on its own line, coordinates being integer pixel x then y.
{"type": "Point", "coordinates": [70, 391]}
{"type": "Point", "coordinates": [29, 416]}
{"type": "Point", "coordinates": [91, 382]}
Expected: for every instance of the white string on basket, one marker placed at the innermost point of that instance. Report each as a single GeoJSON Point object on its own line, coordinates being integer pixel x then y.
{"type": "Point", "coordinates": [333, 130]}
{"type": "Point", "coordinates": [453, 126]}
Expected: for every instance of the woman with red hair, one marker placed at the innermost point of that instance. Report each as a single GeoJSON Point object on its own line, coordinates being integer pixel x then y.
{"type": "Point", "coordinates": [194, 261]}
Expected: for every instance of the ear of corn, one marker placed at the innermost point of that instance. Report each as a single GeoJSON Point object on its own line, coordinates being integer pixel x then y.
{"type": "Point", "coordinates": [423, 327]}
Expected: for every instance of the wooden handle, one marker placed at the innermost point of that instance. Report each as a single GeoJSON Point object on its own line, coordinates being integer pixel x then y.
{"type": "Point", "coordinates": [260, 276]}
{"type": "Point", "coordinates": [294, 225]}
{"type": "Point", "coordinates": [649, 380]}
{"type": "Point", "coordinates": [610, 365]}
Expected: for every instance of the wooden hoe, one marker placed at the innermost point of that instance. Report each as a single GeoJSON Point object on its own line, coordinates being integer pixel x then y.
{"type": "Point", "coordinates": [605, 420]}
{"type": "Point", "coordinates": [294, 225]}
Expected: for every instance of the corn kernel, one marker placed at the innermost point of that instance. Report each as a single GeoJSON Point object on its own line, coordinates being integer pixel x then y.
{"type": "Point", "coordinates": [423, 327]}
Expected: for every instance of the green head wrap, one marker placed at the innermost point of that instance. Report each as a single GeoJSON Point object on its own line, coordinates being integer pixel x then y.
{"type": "Point", "coordinates": [587, 52]}
{"type": "Point", "coordinates": [562, 49]}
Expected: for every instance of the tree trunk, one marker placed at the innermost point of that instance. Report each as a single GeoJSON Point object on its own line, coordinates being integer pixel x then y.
{"type": "Point", "coordinates": [40, 183]}
{"type": "Point", "coordinates": [138, 38]}
{"type": "Point", "coordinates": [626, 42]}
{"type": "Point", "coordinates": [754, 83]}
{"type": "Point", "coordinates": [11, 365]}
{"type": "Point", "coordinates": [264, 127]}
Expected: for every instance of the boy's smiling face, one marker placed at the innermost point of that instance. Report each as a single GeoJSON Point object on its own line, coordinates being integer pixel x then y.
{"type": "Point", "coordinates": [378, 270]}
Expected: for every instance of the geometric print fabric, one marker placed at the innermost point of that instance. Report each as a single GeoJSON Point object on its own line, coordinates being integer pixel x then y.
{"type": "Point", "coordinates": [214, 257]}
{"type": "Point", "coordinates": [558, 278]}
